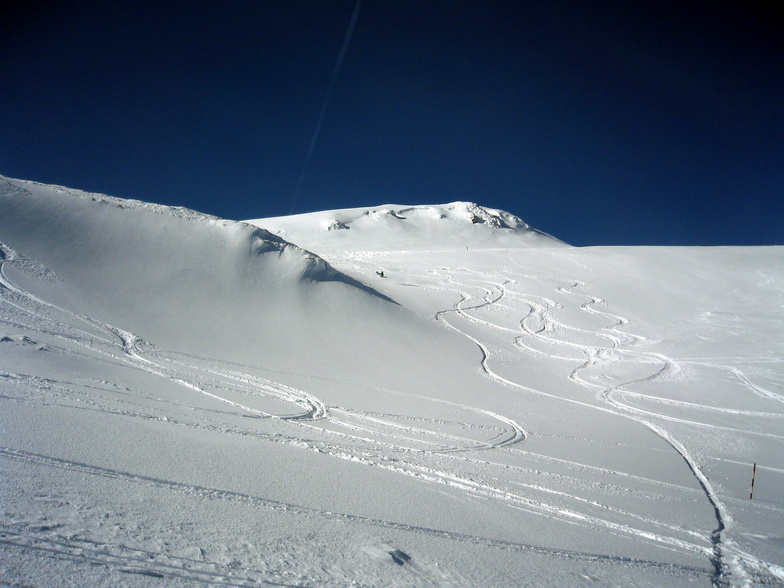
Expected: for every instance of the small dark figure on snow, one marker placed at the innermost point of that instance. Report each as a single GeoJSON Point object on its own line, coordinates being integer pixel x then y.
{"type": "Point", "coordinates": [381, 273]}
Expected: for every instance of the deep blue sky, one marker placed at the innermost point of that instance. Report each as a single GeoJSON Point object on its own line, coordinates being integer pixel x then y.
{"type": "Point", "coordinates": [598, 122]}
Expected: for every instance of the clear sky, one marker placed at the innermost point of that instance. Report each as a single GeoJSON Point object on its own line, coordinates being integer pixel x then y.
{"type": "Point", "coordinates": [598, 122]}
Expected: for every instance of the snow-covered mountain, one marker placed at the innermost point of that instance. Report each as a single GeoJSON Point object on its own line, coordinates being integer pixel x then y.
{"type": "Point", "coordinates": [398, 395]}
{"type": "Point", "coordinates": [394, 227]}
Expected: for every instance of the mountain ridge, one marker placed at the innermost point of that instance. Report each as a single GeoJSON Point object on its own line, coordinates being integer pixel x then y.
{"type": "Point", "coordinates": [409, 227]}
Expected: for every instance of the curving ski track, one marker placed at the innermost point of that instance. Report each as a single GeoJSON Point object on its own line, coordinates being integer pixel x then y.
{"type": "Point", "coordinates": [539, 323]}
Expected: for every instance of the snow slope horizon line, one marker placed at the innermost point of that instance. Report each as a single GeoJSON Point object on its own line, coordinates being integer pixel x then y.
{"type": "Point", "coordinates": [477, 214]}
{"type": "Point", "coordinates": [455, 225]}
{"type": "Point", "coordinates": [495, 217]}
{"type": "Point", "coordinates": [258, 241]}
{"type": "Point", "coordinates": [472, 212]}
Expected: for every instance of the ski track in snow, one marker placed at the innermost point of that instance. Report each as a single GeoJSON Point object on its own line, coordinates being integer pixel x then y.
{"type": "Point", "coordinates": [495, 295]}
{"type": "Point", "coordinates": [729, 568]}
{"type": "Point", "coordinates": [423, 450]}
{"type": "Point", "coordinates": [488, 299]}
{"type": "Point", "coordinates": [190, 375]}
{"type": "Point", "coordinates": [156, 565]}
{"type": "Point", "coordinates": [729, 565]}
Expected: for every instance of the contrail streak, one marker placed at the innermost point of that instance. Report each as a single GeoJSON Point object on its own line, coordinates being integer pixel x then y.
{"type": "Point", "coordinates": [335, 73]}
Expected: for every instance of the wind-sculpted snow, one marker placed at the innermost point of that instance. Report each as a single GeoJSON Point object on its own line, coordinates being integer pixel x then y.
{"type": "Point", "coordinates": [189, 400]}
{"type": "Point", "coordinates": [30, 208]}
{"type": "Point", "coordinates": [177, 275]}
{"type": "Point", "coordinates": [394, 227]}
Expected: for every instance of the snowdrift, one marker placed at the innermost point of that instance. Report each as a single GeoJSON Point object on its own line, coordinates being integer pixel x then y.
{"type": "Point", "coordinates": [199, 284]}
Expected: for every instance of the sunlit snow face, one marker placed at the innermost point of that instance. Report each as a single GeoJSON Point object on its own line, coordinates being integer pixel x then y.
{"type": "Point", "coordinates": [414, 399]}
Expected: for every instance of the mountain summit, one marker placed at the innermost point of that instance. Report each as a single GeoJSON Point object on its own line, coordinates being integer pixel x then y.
{"type": "Point", "coordinates": [410, 228]}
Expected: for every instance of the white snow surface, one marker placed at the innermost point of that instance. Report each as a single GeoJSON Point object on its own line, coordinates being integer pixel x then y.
{"type": "Point", "coordinates": [391, 396]}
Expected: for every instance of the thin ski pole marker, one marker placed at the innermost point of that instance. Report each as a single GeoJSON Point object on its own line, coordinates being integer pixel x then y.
{"type": "Point", "coordinates": [753, 474]}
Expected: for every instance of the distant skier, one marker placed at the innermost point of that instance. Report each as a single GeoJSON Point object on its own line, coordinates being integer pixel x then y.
{"type": "Point", "coordinates": [381, 273]}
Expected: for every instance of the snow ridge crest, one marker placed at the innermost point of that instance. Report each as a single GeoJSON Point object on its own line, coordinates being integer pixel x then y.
{"type": "Point", "coordinates": [457, 212]}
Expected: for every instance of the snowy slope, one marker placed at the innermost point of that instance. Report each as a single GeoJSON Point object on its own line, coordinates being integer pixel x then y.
{"type": "Point", "coordinates": [187, 400]}
{"type": "Point", "coordinates": [191, 282]}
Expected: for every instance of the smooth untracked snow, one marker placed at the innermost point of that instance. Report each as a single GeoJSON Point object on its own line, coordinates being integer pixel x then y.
{"type": "Point", "coordinates": [401, 395]}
